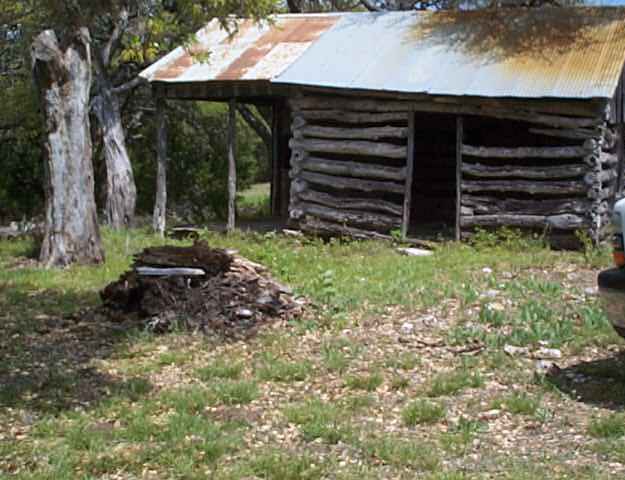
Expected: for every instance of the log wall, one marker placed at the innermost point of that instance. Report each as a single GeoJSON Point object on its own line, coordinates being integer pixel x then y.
{"type": "Point", "coordinates": [357, 169]}
{"type": "Point", "coordinates": [557, 179]}
{"type": "Point", "coordinates": [348, 167]}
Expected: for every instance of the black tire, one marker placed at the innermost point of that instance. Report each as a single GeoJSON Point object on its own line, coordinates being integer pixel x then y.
{"type": "Point", "coordinates": [619, 330]}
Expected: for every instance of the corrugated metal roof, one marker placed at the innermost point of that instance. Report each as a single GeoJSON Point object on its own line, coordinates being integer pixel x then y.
{"type": "Point", "coordinates": [549, 52]}
{"type": "Point", "coordinates": [256, 51]}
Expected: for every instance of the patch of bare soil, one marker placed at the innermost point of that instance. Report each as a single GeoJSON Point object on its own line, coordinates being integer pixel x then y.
{"type": "Point", "coordinates": [198, 288]}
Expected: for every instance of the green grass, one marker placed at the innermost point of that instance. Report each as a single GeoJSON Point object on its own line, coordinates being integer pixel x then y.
{"type": "Point", "coordinates": [453, 382]}
{"type": "Point", "coordinates": [220, 368]}
{"type": "Point", "coordinates": [422, 412]}
{"type": "Point", "coordinates": [368, 381]}
{"type": "Point", "coordinates": [518, 403]}
{"type": "Point", "coordinates": [403, 453]}
{"type": "Point", "coordinates": [274, 369]}
{"type": "Point", "coordinates": [90, 399]}
{"type": "Point", "coordinates": [321, 420]}
{"type": "Point", "coordinates": [612, 426]}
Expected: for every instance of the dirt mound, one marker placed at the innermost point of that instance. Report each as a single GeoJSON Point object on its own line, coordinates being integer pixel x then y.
{"type": "Point", "coordinates": [198, 288]}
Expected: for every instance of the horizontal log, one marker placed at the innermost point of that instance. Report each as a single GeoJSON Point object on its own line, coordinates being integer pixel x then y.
{"type": "Point", "coordinates": [349, 117]}
{"type": "Point", "coordinates": [503, 171]}
{"type": "Point", "coordinates": [608, 160]}
{"type": "Point", "coordinates": [351, 147]}
{"type": "Point", "coordinates": [324, 228]}
{"type": "Point", "coordinates": [493, 205]}
{"type": "Point", "coordinates": [560, 222]}
{"type": "Point", "coordinates": [428, 104]}
{"type": "Point", "coordinates": [349, 169]}
{"type": "Point", "coordinates": [525, 152]}
{"type": "Point", "coordinates": [553, 188]}
{"type": "Point", "coordinates": [366, 133]}
{"type": "Point", "coordinates": [348, 217]}
{"type": "Point", "coordinates": [604, 176]}
{"type": "Point", "coordinates": [343, 183]}
{"type": "Point", "coordinates": [573, 134]}
{"type": "Point", "coordinates": [367, 204]}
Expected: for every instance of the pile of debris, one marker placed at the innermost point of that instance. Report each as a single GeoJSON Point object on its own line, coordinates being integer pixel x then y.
{"type": "Point", "coordinates": [199, 288]}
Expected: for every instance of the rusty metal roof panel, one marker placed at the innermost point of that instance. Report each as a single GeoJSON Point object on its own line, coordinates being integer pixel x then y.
{"type": "Point", "coordinates": [549, 52]}
{"type": "Point", "coordinates": [255, 51]}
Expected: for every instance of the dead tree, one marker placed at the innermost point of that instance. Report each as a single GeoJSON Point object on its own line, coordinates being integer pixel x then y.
{"type": "Point", "coordinates": [62, 73]}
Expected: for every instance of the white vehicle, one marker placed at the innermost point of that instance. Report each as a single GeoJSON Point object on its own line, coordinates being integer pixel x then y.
{"type": "Point", "coordinates": [612, 282]}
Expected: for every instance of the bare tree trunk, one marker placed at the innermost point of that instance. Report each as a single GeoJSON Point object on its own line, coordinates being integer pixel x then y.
{"type": "Point", "coordinates": [121, 193]}
{"type": "Point", "coordinates": [62, 72]}
{"type": "Point", "coordinates": [160, 203]}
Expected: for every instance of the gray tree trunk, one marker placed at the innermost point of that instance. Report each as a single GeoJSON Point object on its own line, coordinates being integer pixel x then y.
{"type": "Point", "coordinates": [121, 193]}
{"type": "Point", "coordinates": [62, 72]}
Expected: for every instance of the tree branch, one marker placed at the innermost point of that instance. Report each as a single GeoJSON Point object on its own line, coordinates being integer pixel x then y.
{"type": "Point", "coordinates": [124, 87]}
{"type": "Point", "coordinates": [256, 123]}
{"type": "Point", "coordinates": [371, 6]}
{"type": "Point", "coordinates": [121, 24]}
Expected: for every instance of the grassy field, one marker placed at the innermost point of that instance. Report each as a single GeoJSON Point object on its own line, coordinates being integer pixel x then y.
{"type": "Point", "coordinates": [398, 370]}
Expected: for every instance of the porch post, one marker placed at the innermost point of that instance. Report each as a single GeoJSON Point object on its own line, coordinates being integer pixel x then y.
{"type": "Point", "coordinates": [232, 165]}
{"type": "Point", "coordinates": [160, 203]}
{"type": "Point", "coordinates": [459, 137]}
{"type": "Point", "coordinates": [405, 224]}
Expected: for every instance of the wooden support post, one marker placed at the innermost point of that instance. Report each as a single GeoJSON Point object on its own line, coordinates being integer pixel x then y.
{"type": "Point", "coordinates": [621, 156]}
{"type": "Point", "coordinates": [232, 165]}
{"type": "Point", "coordinates": [459, 136]}
{"type": "Point", "coordinates": [275, 163]}
{"type": "Point", "coordinates": [405, 225]}
{"type": "Point", "coordinates": [160, 203]}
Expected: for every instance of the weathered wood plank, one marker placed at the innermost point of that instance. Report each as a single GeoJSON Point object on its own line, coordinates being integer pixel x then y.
{"type": "Point", "coordinates": [492, 205]}
{"type": "Point", "coordinates": [573, 134]}
{"type": "Point", "coordinates": [348, 169]}
{"type": "Point", "coordinates": [343, 183]}
{"type": "Point", "coordinates": [349, 217]}
{"type": "Point", "coordinates": [353, 203]}
{"type": "Point", "coordinates": [459, 166]}
{"type": "Point", "coordinates": [525, 152]}
{"type": "Point", "coordinates": [365, 133]}
{"type": "Point", "coordinates": [351, 147]}
{"type": "Point", "coordinates": [560, 222]}
{"type": "Point", "coordinates": [554, 188]}
{"type": "Point", "coordinates": [341, 116]}
{"type": "Point", "coordinates": [405, 224]}
{"type": "Point", "coordinates": [503, 171]}
{"type": "Point", "coordinates": [532, 112]}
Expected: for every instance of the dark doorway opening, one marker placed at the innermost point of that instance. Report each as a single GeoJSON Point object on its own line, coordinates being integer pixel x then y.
{"type": "Point", "coordinates": [433, 210]}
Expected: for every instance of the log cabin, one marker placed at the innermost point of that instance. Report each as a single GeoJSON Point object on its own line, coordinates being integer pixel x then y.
{"type": "Point", "coordinates": [411, 122]}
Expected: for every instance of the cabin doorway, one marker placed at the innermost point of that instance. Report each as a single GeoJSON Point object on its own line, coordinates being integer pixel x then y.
{"type": "Point", "coordinates": [433, 205]}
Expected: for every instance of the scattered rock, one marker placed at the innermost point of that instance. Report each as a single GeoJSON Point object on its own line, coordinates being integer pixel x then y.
{"type": "Point", "coordinates": [591, 291]}
{"type": "Point", "coordinates": [490, 414]}
{"type": "Point", "coordinates": [548, 353]}
{"type": "Point", "coordinates": [487, 270]}
{"type": "Point", "coordinates": [407, 328]}
{"type": "Point", "coordinates": [489, 293]}
{"type": "Point", "coordinates": [415, 252]}
{"type": "Point", "coordinates": [515, 351]}
{"type": "Point", "coordinates": [546, 367]}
